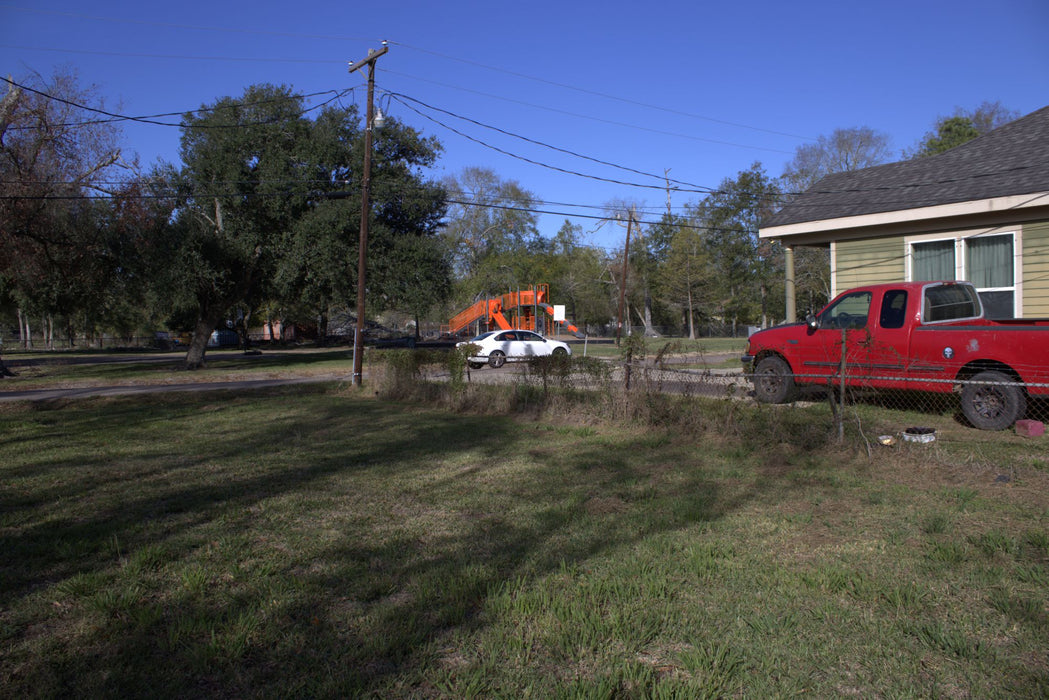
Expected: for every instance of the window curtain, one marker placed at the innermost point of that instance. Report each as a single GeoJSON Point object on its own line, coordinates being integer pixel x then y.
{"type": "Point", "coordinates": [932, 261]}
{"type": "Point", "coordinates": [990, 261]}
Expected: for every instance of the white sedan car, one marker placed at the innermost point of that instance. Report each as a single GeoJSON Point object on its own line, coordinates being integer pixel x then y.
{"type": "Point", "coordinates": [497, 347]}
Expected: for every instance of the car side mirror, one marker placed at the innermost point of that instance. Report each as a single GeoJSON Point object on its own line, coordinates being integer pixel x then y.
{"type": "Point", "coordinates": [812, 322]}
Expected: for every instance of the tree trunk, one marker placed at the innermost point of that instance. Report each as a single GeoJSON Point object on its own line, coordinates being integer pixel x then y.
{"type": "Point", "coordinates": [198, 344]}
{"type": "Point", "coordinates": [649, 331]}
{"type": "Point", "coordinates": [242, 331]}
{"type": "Point", "coordinates": [691, 317]}
{"type": "Point", "coordinates": [322, 330]}
{"type": "Point", "coordinates": [21, 329]}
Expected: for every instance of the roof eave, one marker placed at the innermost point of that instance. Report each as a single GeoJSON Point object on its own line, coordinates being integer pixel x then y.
{"type": "Point", "coordinates": [993, 205]}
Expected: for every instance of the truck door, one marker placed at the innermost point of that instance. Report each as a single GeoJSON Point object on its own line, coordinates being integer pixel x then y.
{"type": "Point", "coordinates": [886, 350]}
{"type": "Point", "coordinates": [822, 357]}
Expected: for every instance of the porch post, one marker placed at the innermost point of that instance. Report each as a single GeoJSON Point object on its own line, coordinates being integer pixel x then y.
{"type": "Point", "coordinates": [792, 313]}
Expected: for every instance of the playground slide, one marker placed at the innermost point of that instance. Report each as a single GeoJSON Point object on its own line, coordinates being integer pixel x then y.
{"type": "Point", "coordinates": [493, 308]}
{"type": "Point", "coordinates": [479, 310]}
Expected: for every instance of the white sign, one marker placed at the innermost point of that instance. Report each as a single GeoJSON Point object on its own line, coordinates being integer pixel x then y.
{"type": "Point", "coordinates": [559, 312]}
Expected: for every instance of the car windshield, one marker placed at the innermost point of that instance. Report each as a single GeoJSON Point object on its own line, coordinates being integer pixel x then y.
{"type": "Point", "coordinates": [483, 336]}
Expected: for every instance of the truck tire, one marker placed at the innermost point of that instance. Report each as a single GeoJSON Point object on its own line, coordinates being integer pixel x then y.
{"type": "Point", "coordinates": [773, 381]}
{"type": "Point", "coordinates": [496, 359]}
{"type": "Point", "coordinates": [993, 406]}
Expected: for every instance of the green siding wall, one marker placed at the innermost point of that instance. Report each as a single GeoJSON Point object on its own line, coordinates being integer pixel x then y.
{"type": "Point", "coordinates": [1036, 270]}
{"type": "Point", "coordinates": [870, 261]}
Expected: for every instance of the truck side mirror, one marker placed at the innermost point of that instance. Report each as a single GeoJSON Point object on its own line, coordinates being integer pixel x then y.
{"type": "Point", "coordinates": [812, 322]}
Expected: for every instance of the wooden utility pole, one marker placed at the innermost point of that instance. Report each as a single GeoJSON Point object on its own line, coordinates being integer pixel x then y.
{"type": "Point", "coordinates": [622, 284]}
{"type": "Point", "coordinates": [362, 251]}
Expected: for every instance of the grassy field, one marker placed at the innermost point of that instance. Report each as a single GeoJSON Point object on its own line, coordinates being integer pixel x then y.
{"type": "Point", "coordinates": [318, 541]}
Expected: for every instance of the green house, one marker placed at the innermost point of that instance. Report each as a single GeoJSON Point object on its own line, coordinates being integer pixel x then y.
{"type": "Point", "coordinates": [978, 212]}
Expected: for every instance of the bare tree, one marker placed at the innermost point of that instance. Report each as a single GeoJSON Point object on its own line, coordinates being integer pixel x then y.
{"type": "Point", "coordinates": [843, 151]}
{"type": "Point", "coordinates": [55, 150]}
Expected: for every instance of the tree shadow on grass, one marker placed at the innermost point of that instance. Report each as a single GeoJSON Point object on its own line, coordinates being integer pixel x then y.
{"type": "Point", "coordinates": [337, 540]}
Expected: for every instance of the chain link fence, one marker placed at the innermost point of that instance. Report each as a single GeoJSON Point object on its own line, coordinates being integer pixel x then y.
{"type": "Point", "coordinates": [874, 412]}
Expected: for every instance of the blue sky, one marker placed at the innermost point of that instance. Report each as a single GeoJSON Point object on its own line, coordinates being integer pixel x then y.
{"type": "Point", "coordinates": [702, 89]}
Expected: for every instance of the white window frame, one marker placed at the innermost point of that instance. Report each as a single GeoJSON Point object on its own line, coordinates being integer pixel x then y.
{"type": "Point", "coordinates": [960, 250]}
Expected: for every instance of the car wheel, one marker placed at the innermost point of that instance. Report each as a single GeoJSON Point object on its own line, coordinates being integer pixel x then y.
{"type": "Point", "coordinates": [496, 359]}
{"type": "Point", "coordinates": [773, 381]}
{"type": "Point", "coordinates": [560, 352]}
{"type": "Point", "coordinates": [993, 406]}
{"type": "Point", "coordinates": [475, 365]}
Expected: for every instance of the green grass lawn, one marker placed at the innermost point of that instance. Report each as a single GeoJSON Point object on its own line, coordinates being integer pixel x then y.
{"type": "Point", "coordinates": [318, 541]}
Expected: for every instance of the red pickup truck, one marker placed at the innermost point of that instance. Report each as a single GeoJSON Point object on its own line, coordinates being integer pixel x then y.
{"type": "Point", "coordinates": [917, 336]}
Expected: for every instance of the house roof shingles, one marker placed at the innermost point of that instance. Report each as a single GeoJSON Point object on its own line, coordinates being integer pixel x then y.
{"type": "Point", "coordinates": [1011, 160]}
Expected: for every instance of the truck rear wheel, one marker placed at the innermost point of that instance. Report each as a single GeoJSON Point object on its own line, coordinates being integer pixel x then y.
{"type": "Point", "coordinates": [773, 381]}
{"type": "Point", "coordinates": [993, 406]}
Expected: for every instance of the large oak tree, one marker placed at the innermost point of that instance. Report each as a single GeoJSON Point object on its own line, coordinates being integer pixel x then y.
{"type": "Point", "coordinates": [270, 210]}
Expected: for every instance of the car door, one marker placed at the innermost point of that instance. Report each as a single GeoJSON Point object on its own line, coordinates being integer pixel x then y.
{"type": "Point", "coordinates": [503, 342]}
{"type": "Point", "coordinates": [886, 352]}
{"type": "Point", "coordinates": [516, 344]}
{"type": "Point", "coordinates": [532, 344]}
{"type": "Point", "coordinates": [821, 357]}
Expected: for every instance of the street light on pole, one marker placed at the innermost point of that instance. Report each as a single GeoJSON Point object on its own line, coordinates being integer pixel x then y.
{"type": "Point", "coordinates": [362, 252]}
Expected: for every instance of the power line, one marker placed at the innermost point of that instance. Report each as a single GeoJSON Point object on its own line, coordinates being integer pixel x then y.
{"type": "Point", "coordinates": [603, 95]}
{"type": "Point", "coordinates": [401, 98]}
{"type": "Point", "coordinates": [541, 164]}
{"type": "Point", "coordinates": [589, 117]}
{"type": "Point", "coordinates": [151, 119]}
{"type": "Point", "coordinates": [241, 30]}
{"type": "Point", "coordinates": [322, 195]}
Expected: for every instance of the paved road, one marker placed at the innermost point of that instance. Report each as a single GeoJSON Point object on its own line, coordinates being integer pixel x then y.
{"type": "Point", "coordinates": [9, 390]}
{"type": "Point", "coordinates": [127, 389]}
{"type": "Point", "coordinates": [693, 381]}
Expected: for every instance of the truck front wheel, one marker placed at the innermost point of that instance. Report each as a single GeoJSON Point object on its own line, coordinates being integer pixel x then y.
{"type": "Point", "coordinates": [773, 381]}
{"type": "Point", "coordinates": [993, 406]}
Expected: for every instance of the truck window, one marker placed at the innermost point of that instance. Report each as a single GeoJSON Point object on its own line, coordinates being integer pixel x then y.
{"type": "Point", "coordinates": [850, 311]}
{"type": "Point", "coordinates": [893, 309]}
{"type": "Point", "coordinates": [949, 302]}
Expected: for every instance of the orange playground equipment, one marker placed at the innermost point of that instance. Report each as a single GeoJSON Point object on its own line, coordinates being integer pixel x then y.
{"type": "Point", "coordinates": [516, 309]}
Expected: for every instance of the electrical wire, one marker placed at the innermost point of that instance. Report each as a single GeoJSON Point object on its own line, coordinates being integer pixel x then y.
{"type": "Point", "coordinates": [402, 98]}
{"type": "Point", "coordinates": [594, 93]}
{"type": "Point", "coordinates": [541, 164]}
{"type": "Point", "coordinates": [565, 86]}
{"type": "Point", "coordinates": [151, 119]}
{"type": "Point", "coordinates": [589, 117]}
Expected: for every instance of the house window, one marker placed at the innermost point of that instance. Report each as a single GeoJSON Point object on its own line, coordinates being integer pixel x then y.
{"type": "Point", "coordinates": [933, 261]}
{"type": "Point", "coordinates": [987, 262]}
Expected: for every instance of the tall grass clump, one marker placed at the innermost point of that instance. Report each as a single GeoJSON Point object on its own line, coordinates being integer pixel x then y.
{"type": "Point", "coordinates": [403, 373]}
